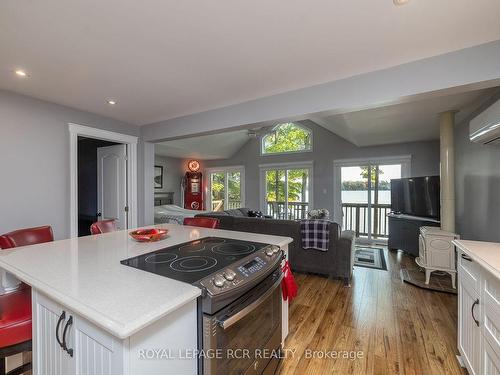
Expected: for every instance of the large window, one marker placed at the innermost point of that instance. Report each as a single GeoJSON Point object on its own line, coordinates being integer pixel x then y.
{"type": "Point", "coordinates": [285, 138]}
{"type": "Point", "coordinates": [363, 194]}
{"type": "Point", "coordinates": [225, 188]}
{"type": "Point", "coordinates": [287, 190]}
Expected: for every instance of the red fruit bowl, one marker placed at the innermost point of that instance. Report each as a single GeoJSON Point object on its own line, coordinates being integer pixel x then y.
{"type": "Point", "coordinates": [149, 235]}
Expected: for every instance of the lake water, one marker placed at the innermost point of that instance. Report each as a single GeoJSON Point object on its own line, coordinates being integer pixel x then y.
{"type": "Point", "coordinates": [361, 196]}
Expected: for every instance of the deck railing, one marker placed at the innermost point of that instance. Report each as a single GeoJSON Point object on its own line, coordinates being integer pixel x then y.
{"type": "Point", "coordinates": [355, 218]}
{"type": "Point", "coordinates": [296, 210]}
{"type": "Point", "coordinates": [219, 205]}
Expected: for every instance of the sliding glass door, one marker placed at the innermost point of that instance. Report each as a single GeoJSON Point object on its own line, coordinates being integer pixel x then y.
{"type": "Point", "coordinates": [286, 192]}
{"type": "Point", "coordinates": [365, 196]}
{"type": "Point", "coordinates": [225, 188]}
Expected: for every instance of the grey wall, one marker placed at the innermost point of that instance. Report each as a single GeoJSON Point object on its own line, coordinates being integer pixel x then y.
{"type": "Point", "coordinates": [173, 170]}
{"type": "Point", "coordinates": [477, 184]}
{"type": "Point", "coordinates": [34, 161]}
{"type": "Point", "coordinates": [327, 147]}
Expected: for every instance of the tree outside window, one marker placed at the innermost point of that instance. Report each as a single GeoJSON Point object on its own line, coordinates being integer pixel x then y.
{"type": "Point", "coordinates": [287, 137]}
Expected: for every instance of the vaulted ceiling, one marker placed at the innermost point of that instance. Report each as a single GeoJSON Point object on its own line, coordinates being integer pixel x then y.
{"type": "Point", "coordinates": [162, 59]}
{"type": "Point", "coordinates": [412, 121]}
{"type": "Point", "coordinates": [204, 147]}
{"type": "Point", "coordinates": [417, 120]}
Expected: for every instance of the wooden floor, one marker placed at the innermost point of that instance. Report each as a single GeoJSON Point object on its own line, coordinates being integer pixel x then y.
{"type": "Point", "coordinates": [399, 328]}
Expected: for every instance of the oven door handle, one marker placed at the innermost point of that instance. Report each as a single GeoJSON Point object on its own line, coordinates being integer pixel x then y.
{"type": "Point", "coordinates": [228, 322]}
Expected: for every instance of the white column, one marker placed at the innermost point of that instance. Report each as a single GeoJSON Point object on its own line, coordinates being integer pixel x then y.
{"type": "Point", "coordinates": [447, 170]}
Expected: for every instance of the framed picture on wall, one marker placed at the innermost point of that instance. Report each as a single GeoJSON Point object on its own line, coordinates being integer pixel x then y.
{"type": "Point", "coordinates": [158, 177]}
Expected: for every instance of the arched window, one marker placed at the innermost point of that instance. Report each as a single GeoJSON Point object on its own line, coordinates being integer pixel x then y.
{"type": "Point", "coordinates": [287, 137]}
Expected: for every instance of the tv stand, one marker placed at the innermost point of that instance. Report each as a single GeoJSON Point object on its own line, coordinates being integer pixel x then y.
{"type": "Point", "coordinates": [404, 231]}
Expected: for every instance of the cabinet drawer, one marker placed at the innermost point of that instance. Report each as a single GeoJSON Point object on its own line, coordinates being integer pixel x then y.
{"type": "Point", "coordinates": [469, 271]}
{"type": "Point", "coordinates": [491, 310]}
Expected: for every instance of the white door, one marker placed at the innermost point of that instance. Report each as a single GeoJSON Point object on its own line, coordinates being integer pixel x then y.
{"type": "Point", "coordinates": [226, 188]}
{"type": "Point", "coordinates": [287, 192]}
{"type": "Point", "coordinates": [112, 184]}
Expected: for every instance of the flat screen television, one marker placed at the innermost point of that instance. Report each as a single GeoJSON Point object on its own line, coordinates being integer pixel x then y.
{"type": "Point", "coordinates": [416, 196]}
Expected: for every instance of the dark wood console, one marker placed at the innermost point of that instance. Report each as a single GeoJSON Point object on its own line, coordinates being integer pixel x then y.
{"type": "Point", "coordinates": [404, 231]}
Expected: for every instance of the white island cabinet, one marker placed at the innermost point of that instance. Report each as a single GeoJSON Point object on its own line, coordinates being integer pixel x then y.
{"type": "Point", "coordinates": [479, 306]}
{"type": "Point", "coordinates": [94, 316]}
{"type": "Point", "coordinates": [92, 351]}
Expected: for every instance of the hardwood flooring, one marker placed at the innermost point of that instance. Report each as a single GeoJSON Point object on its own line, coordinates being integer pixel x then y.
{"type": "Point", "coordinates": [398, 328]}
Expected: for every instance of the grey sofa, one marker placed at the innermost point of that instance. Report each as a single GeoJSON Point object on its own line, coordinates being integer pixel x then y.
{"type": "Point", "coordinates": [337, 262]}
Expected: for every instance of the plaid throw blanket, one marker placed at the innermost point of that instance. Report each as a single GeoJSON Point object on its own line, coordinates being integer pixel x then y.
{"type": "Point", "coordinates": [315, 234]}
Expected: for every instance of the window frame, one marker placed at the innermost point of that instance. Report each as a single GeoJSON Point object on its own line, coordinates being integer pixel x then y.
{"type": "Point", "coordinates": [208, 183]}
{"type": "Point", "coordinates": [303, 127]}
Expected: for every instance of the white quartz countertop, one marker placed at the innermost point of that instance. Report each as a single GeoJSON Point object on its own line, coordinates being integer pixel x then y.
{"type": "Point", "coordinates": [85, 275]}
{"type": "Point", "coordinates": [486, 254]}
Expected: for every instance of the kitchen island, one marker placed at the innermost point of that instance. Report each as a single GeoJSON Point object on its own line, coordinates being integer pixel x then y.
{"type": "Point", "coordinates": [119, 315]}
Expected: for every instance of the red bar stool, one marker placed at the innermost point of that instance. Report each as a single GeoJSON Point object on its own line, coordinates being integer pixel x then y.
{"type": "Point", "coordinates": [15, 307]}
{"type": "Point", "coordinates": [103, 226]}
{"type": "Point", "coordinates": [15, 327]}
{"type": "Point", "coordinates": [205, 222]}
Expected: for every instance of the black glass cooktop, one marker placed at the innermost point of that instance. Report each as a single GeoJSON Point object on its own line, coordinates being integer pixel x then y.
{"type": "Point", "coordinates": [192, 261]}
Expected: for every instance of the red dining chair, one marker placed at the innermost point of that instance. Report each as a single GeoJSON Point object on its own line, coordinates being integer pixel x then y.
{"type": "Point", "coordinates": [205, 222]}
{"type": "Point", "coordinates": [15, 307]}
{"type": "Point", "coordinates": [103, 226]}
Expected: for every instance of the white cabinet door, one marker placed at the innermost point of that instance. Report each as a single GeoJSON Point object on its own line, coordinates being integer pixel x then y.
{"type": "Point", "coordinates": [491, 362]}
{"type": "Point", "coordinates": [93, 351]}
{"type": "Point", "coordinates": [469, 333]}
{"type": "Point", "coordinates": [96, 352]}
{"type": "Point", "coordinates": [49, 358]}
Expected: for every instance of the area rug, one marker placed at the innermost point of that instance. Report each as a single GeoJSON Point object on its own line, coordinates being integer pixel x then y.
{"type": "Point", "coordinates": [370, 257]}
{"type": "Point", "coordinates": [438, 282]}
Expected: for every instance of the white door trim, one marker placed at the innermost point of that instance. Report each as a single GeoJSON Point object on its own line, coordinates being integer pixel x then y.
{"type": "Point", "coordinates": [75, 131]}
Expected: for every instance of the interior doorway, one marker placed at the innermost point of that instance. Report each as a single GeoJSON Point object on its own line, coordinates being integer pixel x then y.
{"type": "Point", "coordinates": [103, 173]}
{"type": "Point", "coordinates": [102, 183]}
{"type": "Point", "coordinates": [363, 195]}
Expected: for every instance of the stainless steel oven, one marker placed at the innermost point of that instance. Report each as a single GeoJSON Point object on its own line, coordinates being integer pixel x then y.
{"type": "Point", "coordinates": [245, 336]}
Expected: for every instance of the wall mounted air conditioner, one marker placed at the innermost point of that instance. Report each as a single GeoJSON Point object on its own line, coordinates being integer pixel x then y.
{"type": "Point", "coordinates": [485, 127]}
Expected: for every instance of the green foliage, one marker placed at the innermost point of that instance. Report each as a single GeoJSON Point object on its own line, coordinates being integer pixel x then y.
{"type": "Point", "coordinates": [285, 138]}
{"type": "Point", "coordinates": [218, 186]}
{"type": "Point", "coordinates": [374, 171]}
{"type": "Point", "coordinates": [297, 185]}
{"type": "Point", "coordinates": [363, 185]}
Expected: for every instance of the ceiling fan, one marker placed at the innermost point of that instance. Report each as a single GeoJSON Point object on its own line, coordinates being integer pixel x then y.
{"type": "Point", "coordinates": [257, 132]}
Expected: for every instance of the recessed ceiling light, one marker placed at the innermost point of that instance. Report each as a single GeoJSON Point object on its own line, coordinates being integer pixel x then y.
{"type": "Point", "coordinates": [111, 102]}
{"type": "Point", "coordinates": [21, 73]}
{"type": "Point", "coordinates": [400, 2]}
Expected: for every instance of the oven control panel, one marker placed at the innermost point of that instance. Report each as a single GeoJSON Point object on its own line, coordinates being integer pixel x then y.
{"type": "Point", "coordinates": [255, 265]}
{"type": "Point", "coordinates": [243, 271]}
